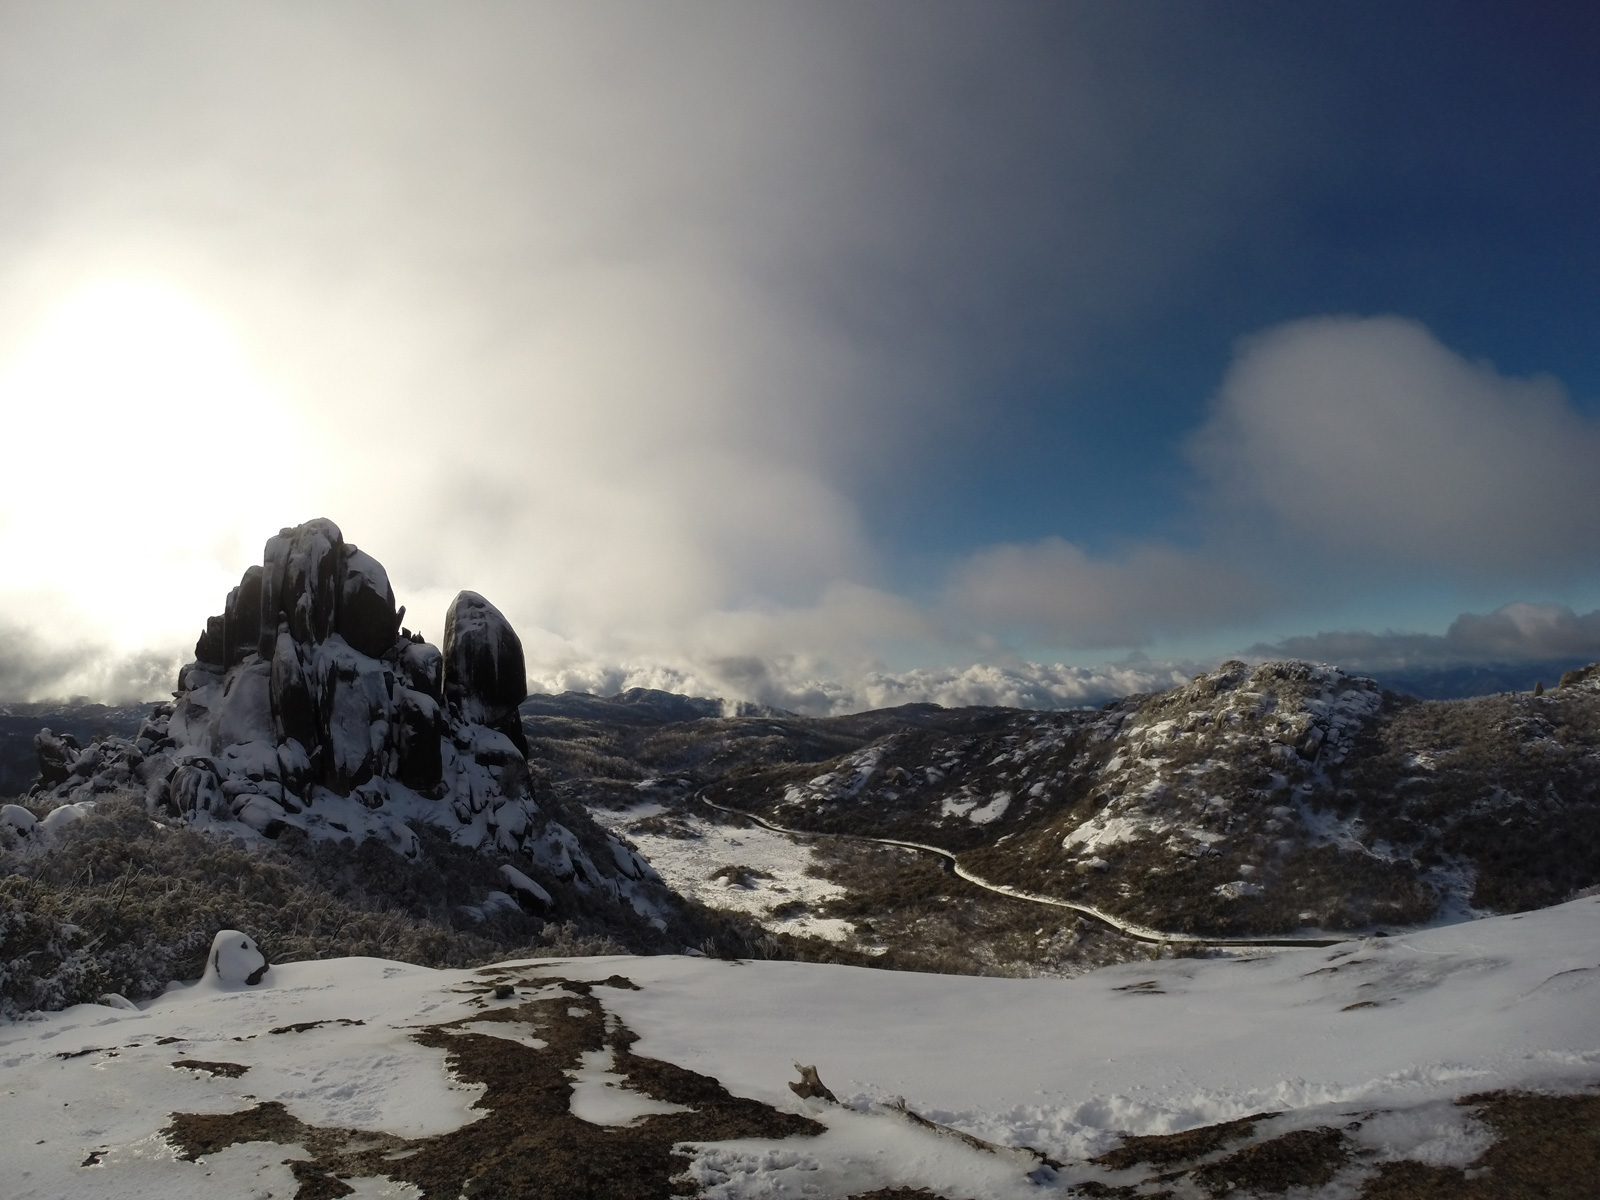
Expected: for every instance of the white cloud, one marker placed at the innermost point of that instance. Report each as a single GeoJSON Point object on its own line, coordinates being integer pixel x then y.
{"type": "Point", "coordinates": [1370, 438]}
{"type": "Point", "coordinates": [611, 312]}
{"type": "Point", "coordinates": [614, 312]}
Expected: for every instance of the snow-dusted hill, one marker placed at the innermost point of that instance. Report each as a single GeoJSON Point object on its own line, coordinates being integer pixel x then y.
{"type": "Point", "coordinates": [1457, 1062]}
{"type": "Point", "coordinates": [1281, 798]}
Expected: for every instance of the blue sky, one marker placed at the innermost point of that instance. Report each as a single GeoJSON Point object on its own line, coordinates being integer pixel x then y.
{"type": "Point", "coordinates": [824, 354]}
{"type": "Point", "coordinates": [1432, 169]}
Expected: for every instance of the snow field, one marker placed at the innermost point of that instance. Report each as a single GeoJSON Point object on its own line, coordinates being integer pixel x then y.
{"type": "Point", "coordinates": [360, 1069]}
{"type": "Point", "coordinates": [1379, 1033]}
{"type": "Point", "coordinates": [687, 865]}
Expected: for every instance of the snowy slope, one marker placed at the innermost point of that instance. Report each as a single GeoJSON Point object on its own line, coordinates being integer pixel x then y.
{"type": "Point", "coordinates": [750, 870]}
{"type": "Point", "coordinates": [1285, 798]}
{"type": "Point", "coordinates": [385, 1073]}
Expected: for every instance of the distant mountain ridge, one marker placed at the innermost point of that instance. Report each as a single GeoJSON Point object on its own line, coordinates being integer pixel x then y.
{"type": "Point", "coordinates": [1477, 679]}
{"type": "Point", "coordinates": [1250, 801]}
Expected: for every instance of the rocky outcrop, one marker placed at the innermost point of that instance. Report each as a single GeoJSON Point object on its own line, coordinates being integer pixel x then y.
{"type": "Point", "coordinates": [309, 706]}
{"type": "Point", "coordinates": [484, 675]}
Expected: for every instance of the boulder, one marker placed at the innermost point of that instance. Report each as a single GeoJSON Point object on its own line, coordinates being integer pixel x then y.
{"type": "Point", "coordinates": [367, 617]}
{"type": "Point", "coordinates": [56, 755]}
{"type": "Point", "coordinates": [274, 563]}
{"type": "Point", "coordinates": [195, 788]}
{"type": "Point", "coordinates": [302, 574]}
{"type": "Point", "coordinates": [235, 959]}
{"type": "Point", "coordinates": [419, 731]}
{"type": "Point", "coordinates": [485, 676]}
{"type": "Point", "coordinates": [294, 768]}
{"type": "Point", "coordinates": [354, 706]}
{"type": "Point", "coordinates": [17, 819]}
{"type": "Point", "coordinates": [245, 714]}
{"type": "Point", "coordinates": [211, 648]}
{"type": "Point", "coordinates": [423, 666]}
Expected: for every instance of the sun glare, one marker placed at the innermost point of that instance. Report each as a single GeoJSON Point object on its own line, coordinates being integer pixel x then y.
{"type": "Point", "coordinates": [146, 462]}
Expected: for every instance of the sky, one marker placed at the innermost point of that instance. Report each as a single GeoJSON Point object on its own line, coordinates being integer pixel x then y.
{"type": "Point", "coordinates": [826, 355]}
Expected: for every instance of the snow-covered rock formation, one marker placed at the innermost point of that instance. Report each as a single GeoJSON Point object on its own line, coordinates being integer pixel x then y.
{"type": "Point", "coordinates": [308, 705]}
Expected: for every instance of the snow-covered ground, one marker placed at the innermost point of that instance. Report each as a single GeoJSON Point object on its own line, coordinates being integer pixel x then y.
{"type": "Point", "coordinates": [777, 890]}
{"type": "Point", "coordinates": [1374, 1037]}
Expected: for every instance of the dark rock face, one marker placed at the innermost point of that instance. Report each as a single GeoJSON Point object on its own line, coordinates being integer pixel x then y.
{"type": "Point", "coordinates": [292, 713]}
{"type": "Point", "coordinates": [367, 616]}
{"type": "Point", "coordinates": [308, 706]}
{"type": "Point", "coordinates": [485, 676]}
{"type": "Point", "coordinates": [241, 619]}
{"type": "Point", "coordinates": [311, 581]}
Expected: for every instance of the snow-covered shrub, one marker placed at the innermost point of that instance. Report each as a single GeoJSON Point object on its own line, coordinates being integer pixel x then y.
{"type": "Point", "coordinates": [44, 962]}
{"type": "Point", "coordinates": [121, 903]}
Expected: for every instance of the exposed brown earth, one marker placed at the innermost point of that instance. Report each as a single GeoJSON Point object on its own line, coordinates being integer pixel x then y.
{"type": "Point", "coordinates": [528, 1144]}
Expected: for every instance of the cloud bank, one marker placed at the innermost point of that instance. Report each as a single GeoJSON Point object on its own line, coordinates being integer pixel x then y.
{"type": "Point", "coordinates": [626, 317]}
{"type": "Point", "coordinates": [1516, 633]}
{"type": "Point", "coordinates": [1336, 450]}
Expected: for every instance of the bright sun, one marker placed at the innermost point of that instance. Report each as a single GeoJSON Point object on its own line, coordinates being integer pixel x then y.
{"type": "Point", "coordinates": [146, 463]}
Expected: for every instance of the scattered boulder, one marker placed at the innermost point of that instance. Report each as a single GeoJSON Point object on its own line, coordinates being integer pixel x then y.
{"type": "Point", "coordinates": [56, 756]}
{"type": "Point", "coordinates": [235, 959]}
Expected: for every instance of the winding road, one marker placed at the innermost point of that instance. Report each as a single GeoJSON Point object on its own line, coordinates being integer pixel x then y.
{"type": "Point", "coordinates": [1140, 933]}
